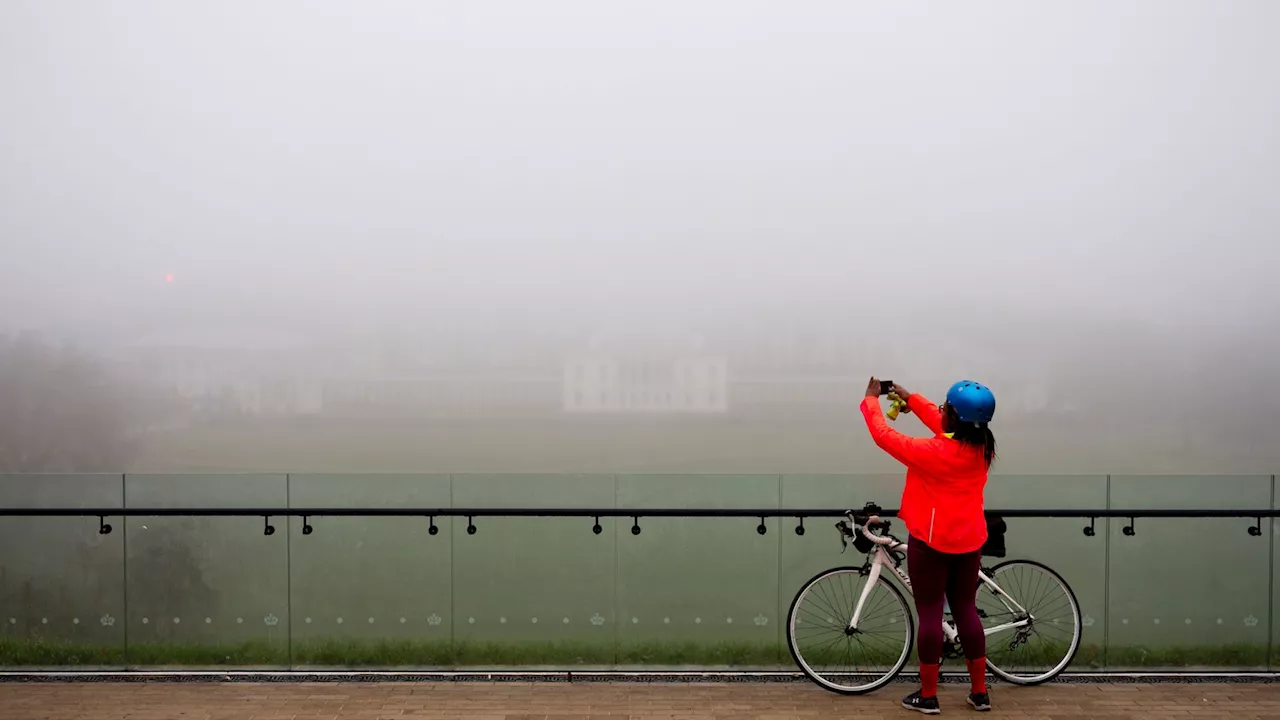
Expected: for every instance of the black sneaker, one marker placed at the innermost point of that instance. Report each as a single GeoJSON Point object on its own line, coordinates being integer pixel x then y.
{"type": "Point", "coordinates": [980, 701]}
{"type": "Point", "coordinates": [928, 706]}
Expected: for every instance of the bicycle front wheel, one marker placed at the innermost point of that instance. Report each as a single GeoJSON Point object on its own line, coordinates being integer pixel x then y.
{"type": "Point", "coordinates": [845, 661]}
{"type": "Point", "coordinates": [1034, 633]}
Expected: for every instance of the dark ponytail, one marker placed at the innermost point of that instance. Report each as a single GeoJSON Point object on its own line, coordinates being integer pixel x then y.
{"type": "Point", "coordinates": [976, 434]}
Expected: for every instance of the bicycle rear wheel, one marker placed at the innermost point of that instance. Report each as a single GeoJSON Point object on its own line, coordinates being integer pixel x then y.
{"type": "Point", "coordinates": [1047, 644]}
{"type": "Point", "coordinates": [836, 658]}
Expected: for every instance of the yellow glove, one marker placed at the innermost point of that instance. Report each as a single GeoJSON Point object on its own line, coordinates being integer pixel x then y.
{"type": "Point", "coordinates": [896, 405]}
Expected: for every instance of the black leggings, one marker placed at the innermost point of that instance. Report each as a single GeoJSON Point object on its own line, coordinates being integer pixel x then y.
{"type": "Point", "coordinates": [937, 577]}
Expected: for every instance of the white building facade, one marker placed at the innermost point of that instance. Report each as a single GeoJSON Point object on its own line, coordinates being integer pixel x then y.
{"type": "Point", "coordinates": [619, 382]}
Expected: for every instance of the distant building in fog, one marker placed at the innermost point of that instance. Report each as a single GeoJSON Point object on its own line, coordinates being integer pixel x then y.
{"type": "Point", "coordinates": [789, 395]}
{"type": "Point", "coordinates": [444, 395]}
{"type": "Point", "coordinates": [618, 377]}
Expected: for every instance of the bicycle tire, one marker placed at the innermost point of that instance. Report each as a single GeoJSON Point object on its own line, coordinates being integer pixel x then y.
{"type": "Point", "coordinates": [1077, 636]}
{"type": "Point", "coordinates": [816, 677]}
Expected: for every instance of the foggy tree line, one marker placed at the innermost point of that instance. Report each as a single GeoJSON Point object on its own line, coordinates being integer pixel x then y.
{"type": "Point", "coordinates": [61, 410]}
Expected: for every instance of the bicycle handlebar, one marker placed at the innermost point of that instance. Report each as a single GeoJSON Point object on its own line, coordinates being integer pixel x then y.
{"type": "Point", "coordinates": [865, 529]}
{"type": "Point", "coordinates": [861, 523]}
{"type": "Point", "coordinates": [867, 523]}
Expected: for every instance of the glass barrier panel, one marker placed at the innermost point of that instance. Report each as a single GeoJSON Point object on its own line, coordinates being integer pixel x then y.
{"type": "Point", "coordinates": [698, 592]}
{"type": "Point", "coordinates": [207, 591]}
{"type": "Point", "coordinates": [1062, 545]}
{"type": "Point", "coordinates": [370, 592]}
{"type": "Point", "coordinates": [1189, 593]}
{"type": "Point", "coordinates": [533, 591]}
{"type": "Point", "coordinates": [62, 603]}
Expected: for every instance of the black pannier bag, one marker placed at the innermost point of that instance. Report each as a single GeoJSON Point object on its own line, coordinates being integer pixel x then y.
{"type": "Point", "coordinates": [994, 547]}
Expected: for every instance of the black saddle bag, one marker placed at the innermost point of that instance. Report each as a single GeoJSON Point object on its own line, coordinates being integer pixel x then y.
{"type": "Point", "coordinates": [994, 546]}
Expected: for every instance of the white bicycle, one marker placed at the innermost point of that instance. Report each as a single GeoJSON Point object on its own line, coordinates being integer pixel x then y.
{"type": "Point", "coordinates": [851, 630]}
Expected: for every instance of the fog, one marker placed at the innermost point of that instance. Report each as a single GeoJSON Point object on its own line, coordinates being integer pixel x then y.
{"type": "Point", "coordinates": [1074, 202]}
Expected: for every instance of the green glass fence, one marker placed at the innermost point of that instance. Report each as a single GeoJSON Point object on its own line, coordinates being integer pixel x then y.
{"type": "Point", "coordinates": [705, 593]}
{"type": "Point", "coordinates": [371, 593]}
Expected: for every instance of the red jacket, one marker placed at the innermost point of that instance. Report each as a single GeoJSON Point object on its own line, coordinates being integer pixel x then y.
{"type": "Point", "coordinates": [942, 501]}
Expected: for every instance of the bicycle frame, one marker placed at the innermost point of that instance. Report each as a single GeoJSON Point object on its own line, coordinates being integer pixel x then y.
{"type": "Point", "coordinates": [881, 558]}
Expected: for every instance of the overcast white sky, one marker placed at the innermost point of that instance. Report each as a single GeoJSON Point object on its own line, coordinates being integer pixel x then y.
{"type": "Point", "coordinates": [640, 160]}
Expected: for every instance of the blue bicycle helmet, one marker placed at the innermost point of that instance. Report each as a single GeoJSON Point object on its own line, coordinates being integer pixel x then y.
{"type": "Point", "coordinates": [973, 402]}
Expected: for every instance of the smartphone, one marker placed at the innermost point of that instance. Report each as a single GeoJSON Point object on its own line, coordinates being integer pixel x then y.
{"type": "Point", "coordinates": [886, 387]}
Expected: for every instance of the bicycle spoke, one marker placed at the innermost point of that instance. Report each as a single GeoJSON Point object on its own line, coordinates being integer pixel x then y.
{"type": "Point", "coordinates": [1045, 642]}
{"type": "Point", "coordinates": [844, 659]}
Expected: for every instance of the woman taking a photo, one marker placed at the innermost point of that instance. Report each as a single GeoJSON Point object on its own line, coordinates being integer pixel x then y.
{"type": "Point", "coordinates": [942, 507]}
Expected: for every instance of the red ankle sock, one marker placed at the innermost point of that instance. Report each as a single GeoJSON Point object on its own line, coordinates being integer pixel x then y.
{"type": "Point", "coordinates": [929, 680]}
{"type": "Point", "coordinates": [978, 674]}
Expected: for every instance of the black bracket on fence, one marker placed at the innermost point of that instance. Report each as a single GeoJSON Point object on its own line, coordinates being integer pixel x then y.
{"type": "Point", "coordinates": [306, 526]}
{"type": "Point", "coordinates": [1090, 531]}
{"type": "Point", "coordinates": [800, 527]}
{"type": "Point", "coordinates": [432, 529]}
{"type": "Point", "coordinates": [471, 526]}
{"type": "Point", "coordinates": [1256, 530]}
{"type": "Point", "coordinates": [762, 528]}
{"type": "Point", "coordinates": [1129, 529]}
{"type": "Point", "coordinates": [267, 527]}
{"type": "Point", "coordinates": [103, 527]}
{"type": "Point", "coordinates": [635, 525]}
{"type": "Point", "coordinates": [596, 528]}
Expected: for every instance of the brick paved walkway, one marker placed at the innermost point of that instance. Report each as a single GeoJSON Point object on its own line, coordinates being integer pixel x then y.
{"type": "Point", "coordinates": [525, 701]}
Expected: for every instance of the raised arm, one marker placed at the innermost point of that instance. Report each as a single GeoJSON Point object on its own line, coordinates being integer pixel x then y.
{"type": "Point", "coordinates": [907, 450]}
{"type": "Point", "coordinates": [923, 409]}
